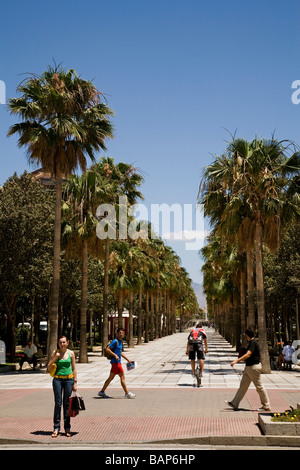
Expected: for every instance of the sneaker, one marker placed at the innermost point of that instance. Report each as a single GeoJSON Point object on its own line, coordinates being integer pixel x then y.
{"type": "Point", "coordinates": [102, 395]}
{"type": "Point", "coordinates": [232, 405]}
{"type": "Point", "coordinates": [264, 408]}
{"type": "Point", "coordinates": [129, 395]}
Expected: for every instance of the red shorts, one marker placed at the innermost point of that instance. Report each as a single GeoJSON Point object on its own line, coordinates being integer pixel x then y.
{"type": "Point", "coordinates": [116, 368]}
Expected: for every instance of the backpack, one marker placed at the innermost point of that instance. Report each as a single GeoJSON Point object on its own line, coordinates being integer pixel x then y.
{"type": "Point", "coordinates": [106, 353]}
{"type": "Point", "coordinates": [195, 335]}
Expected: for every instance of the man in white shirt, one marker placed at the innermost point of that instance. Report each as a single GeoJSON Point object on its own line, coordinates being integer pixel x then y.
{"type": "Point", "coordinates": [287, 352]}
{"type": "Point", "coordinates": [29, 355]}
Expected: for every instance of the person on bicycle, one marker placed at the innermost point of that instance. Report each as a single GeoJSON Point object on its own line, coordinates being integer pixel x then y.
{"type": "Point", "coordinates": [194, 347]}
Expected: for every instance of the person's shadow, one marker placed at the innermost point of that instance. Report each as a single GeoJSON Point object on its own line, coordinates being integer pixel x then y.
{"type": "Point", "coordinates": [48, 433]}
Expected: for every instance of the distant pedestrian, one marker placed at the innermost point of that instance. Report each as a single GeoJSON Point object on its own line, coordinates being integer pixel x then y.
{"type": "Point", "coordinates": [29, 355]}
{"type": "Point", "coordinates": [252, 373]}
{"type": "Point", "coordinates": [195, 348]}
{"type": "Point", "coordinates": [288, 352]}
{"type": "Point", "coordinates": [64, 382]}
{"type": "Point", "coordinates": [115, 350]}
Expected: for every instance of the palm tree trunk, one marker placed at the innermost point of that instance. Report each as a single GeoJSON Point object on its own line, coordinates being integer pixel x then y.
{"type": "Point", "coordinates": [53, 313]}
{"type": "Point", "coordinates": [105, 297]}
{"type": "Point", "coordinates": [151, 319]}
{"type": "Point", "coordinates": [147, 318]}
{"type": "Point", "coordinates": [243, 307]}
{"type": "Point", "coordinates": [83, 355]}
{"type": "Point", "coordinates": [250, 288]}
{"type": "Point", "coordinates": [261, 315]}
{"type": "Point", "coordinates": [140, 319]}
{"type": "Point", "coordinates": [297, 319]}
{"type": "Point", "coordinates": [130, 339]}
{"type": "Point", "coordinates": [120, 308]}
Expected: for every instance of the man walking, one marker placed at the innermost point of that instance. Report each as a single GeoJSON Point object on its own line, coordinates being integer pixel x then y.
{"type": "Point", "coordinates": [195, 348]}
{"type": "Point", "coordinates": [115, 350]}
{"type": "Point", "coordinates": [252, 373]}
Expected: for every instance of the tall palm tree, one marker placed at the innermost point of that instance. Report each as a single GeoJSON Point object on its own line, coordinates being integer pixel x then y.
{"type": "Point", "coordinates": [63, 122]}
{"type": "Point", "coordinates": [125, 180]}
{"type": "Point", "coordinates": [82, 196]}
{"type": "Point", "coordinates": [253, 179]}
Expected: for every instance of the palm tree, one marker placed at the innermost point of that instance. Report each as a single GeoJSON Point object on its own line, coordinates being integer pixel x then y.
{"type": "Point", "coordinates": [79, 230]}
{"type": "Point", "coordinates": [252, 181]}
{"type": "Point", "coordinates": [124, 180]}
{"type": "Point", "coordinates": [63, 122]}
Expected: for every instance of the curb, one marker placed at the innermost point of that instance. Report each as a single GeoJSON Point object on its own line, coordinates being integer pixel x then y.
{"type": "Point", "coordinates": [230, 441]}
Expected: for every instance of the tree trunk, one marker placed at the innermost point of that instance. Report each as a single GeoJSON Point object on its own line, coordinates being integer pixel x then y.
{"type": "Point", "coordinates": [151, 319]}
{"type": "Point", "coordinates": [250, 288]}
{"type": "Point", "coordinates": [105, 297]}
{"type": "Point", "coordinates": [120, 308]}
{"type": "Point", "coordinates": [297, 319]}
{"type": "Point", "coordinates": [53, 313]}
{"type": "Point", "coordinates": [130, 339]}
{"type": "Point", "coordinates": [140, 320]}
{"type": "Point", "coordinates": [83, 355]}
{"type": "Point", "coordinates": [11, 329]}
{"type": "Point", "coordinates": [243, 282]}
{"type": "Point", "coordinates": [261, 315]}
{"type": "Point", "coordinates": [147, 318]}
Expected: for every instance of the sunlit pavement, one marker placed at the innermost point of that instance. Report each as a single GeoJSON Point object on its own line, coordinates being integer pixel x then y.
{"type": "Point", "coordinates": [168, 407]}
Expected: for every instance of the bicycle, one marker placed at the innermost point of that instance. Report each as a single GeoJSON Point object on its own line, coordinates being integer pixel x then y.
{"type": "Point", "coordinates": [198, 376]}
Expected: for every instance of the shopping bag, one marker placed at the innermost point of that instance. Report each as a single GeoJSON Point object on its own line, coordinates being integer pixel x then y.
{"type": "Point", "coordinates": [72, 413]}
{"type": "Point", "coordinates": [77, 403]}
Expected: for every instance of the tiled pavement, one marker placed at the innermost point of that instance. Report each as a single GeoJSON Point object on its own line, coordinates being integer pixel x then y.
{"type": "Point", "coordinates": [167, 408]}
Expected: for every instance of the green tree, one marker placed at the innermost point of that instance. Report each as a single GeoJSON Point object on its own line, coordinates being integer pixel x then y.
{"type": "Point", "coordinates": [26, 237]}
{"type": "Point", "coordinates": [63, 120]}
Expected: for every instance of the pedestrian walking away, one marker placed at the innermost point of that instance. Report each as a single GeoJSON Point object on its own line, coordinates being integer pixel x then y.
{"type": "Point", "coordinates": [252, 373]}
{"type": "Point", "coordinates": [64, 382]}
{"type": "Point", "coordinates": [115, 350]}
{"type": "Point", "coordinates": [196, 338]}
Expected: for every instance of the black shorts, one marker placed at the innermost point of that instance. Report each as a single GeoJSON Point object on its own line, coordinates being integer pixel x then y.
{"type": "Point", "coordinates": [196, 348]}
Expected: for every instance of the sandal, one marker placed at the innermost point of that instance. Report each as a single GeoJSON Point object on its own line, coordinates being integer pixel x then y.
{"type": "Point", "coordinates": [68, 434]}
{"type": "Point", "coordinates": [55, 434]}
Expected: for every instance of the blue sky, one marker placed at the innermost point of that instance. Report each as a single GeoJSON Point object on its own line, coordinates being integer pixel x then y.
{"type": "Point", "coordinates": [176, 74]}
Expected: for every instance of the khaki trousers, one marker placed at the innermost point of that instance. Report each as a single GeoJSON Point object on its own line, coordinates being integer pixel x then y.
{"type": "Point", "coordinates": [251, 374]}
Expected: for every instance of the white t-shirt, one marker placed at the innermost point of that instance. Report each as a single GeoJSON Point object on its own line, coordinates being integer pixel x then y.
{"type": "Point", "coordinates": [30, 351]}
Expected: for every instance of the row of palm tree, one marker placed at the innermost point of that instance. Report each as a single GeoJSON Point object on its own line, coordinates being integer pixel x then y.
{"type": "Point", "coordinates": [250, 195]}
{"type": "Point", "coordinates": [64, 120]}
{"type": "Point", "coordinates": [143, 267]}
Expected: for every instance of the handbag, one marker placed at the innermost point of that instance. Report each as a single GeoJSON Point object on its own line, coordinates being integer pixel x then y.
{"type": "Point", "coordinates": [72, 413]}
{"type": "Point", "coordinates": [53, 370]}
{"type": "Point", "coordinates": [76, 402]}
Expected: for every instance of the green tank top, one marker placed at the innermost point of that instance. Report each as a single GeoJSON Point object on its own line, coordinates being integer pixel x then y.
{"type": "Point", "coordinates": [64, 366]}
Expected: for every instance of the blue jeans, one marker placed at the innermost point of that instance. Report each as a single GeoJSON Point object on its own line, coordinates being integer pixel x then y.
{"type": "Point", "coordinates": [62, 389]}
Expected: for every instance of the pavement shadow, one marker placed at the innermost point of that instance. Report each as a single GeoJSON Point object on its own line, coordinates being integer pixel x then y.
{"type": "Point", "coordinates": [49, 433]}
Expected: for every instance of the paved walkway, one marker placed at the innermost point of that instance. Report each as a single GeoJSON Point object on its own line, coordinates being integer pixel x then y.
{"type": "Point", "coordinates": [168, 407]}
